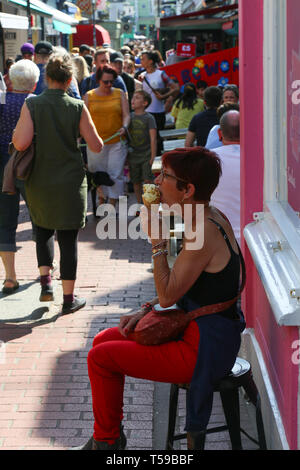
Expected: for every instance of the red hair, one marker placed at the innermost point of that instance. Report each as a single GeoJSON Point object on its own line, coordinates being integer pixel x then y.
{"type": "Point", "coordinates": [196, 165]}
{"type": "Point", "coordinates": [105, 69]}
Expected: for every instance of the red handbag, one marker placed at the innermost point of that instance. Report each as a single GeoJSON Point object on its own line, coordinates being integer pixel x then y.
{"type": "Point", "coordinates": [161, 326]}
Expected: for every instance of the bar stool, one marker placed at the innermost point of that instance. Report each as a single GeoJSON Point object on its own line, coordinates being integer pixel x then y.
{"type": "Point", "coordinates": [240, 376]}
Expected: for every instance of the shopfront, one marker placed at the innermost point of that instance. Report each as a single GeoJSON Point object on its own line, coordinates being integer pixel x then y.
{"type": "Point", "coordinates": [13, 32]}
{"type": "Point", "coordinates": [270, 208]}
{"type": "Point", "coordinates": [210, 29]}
{"type": "Point", "coordinates": [47, 23]}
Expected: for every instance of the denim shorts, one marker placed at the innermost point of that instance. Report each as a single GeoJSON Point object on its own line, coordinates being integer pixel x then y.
{"type": "Point", "coordinates": [9, 213]}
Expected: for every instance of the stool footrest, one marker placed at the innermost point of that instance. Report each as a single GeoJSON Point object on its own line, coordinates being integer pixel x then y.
{"type": "Point", "coordinates": [228, 388]}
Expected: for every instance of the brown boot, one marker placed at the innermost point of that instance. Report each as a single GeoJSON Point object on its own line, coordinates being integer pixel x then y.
{"type": "Point", "coordinates": [196, 440]}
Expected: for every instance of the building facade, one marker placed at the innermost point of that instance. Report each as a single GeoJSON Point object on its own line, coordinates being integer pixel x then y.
{"type": "Point", "coordinates": [46, 23]}
{"type": "Point", "coordinates": [270, 208]}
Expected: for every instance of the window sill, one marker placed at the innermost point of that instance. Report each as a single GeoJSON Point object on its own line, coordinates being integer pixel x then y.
{"type": "Point", "coordinates": [274, 243]}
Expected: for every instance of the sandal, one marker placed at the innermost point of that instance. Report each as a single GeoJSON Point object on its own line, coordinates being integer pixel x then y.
{"type": "Point", "coordinates": [10, 290]}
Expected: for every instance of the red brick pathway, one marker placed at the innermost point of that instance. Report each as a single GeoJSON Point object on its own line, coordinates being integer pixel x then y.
{"type": "Point", "coordinates": [45, 400]}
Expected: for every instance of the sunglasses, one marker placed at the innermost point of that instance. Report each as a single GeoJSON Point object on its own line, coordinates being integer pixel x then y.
{"type": "Point", "coordinates": [163, 174]}
{"type": "Point", "coordinates": [106, 82]}
{"type": "Point", "coordinates": [230, 87]}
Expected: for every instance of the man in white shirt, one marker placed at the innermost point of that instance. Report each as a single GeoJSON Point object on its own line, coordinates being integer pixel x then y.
{"type": "Point", "coordinates": [226, 196]}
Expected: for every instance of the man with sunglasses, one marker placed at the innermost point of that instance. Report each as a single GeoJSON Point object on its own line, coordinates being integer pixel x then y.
{"type": "Point", "coordinates": [101, 57]}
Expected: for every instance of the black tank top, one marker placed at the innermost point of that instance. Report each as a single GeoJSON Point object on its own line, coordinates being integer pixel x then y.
{"type": "Point", "coordinates": [211, 288]}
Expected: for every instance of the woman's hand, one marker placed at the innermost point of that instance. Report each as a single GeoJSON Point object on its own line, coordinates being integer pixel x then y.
{"type": "Point", "coordinates": [152, 224]}
{"type": "Point", "coordinates": [122, 131]}
{"type": "Point", "coordinates": [128, 322]}
{"type": "Point", "coordinates": [159, 96]}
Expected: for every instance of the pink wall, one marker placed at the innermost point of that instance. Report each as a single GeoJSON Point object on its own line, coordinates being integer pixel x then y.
{"type": "Point", "coordinates": [275, 342]}
{"type": "Point", "coordinates": [251, 98]}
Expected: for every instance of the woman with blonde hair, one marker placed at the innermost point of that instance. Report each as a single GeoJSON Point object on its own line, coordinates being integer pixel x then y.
{"type": "Point", "coordinates": [57, 187]}
{"type": "Point", "coordinates": [81, 69]}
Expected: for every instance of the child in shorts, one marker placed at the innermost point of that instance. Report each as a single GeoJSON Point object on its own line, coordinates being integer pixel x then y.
{"type": "Point", "coordinates": [142, 149]}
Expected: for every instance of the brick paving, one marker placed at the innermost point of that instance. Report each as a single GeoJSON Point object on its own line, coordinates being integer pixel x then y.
{"type": "Point", "coordinates": [45, 399]}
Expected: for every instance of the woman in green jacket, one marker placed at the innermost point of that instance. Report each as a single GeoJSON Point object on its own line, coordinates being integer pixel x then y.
{"type": "Point", "coordinates": [57, 188]}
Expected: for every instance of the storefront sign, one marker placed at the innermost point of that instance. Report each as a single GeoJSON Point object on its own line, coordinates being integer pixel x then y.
{"type": "Point", "coordinates": [218, 68]}
{"type": "Point", "coordinates": [185, 50]}
{"type": "Point", "coordinates": [227, 25]}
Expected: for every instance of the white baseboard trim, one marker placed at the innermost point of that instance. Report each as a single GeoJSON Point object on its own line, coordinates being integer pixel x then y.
{"type": "Point", "coordinates": [274, 429]}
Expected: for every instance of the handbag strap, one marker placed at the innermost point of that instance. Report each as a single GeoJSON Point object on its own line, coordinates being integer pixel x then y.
{"type": "Point", "coordinates": [149, 84]}
{"type": "Point", "coordinates": [220, 306]}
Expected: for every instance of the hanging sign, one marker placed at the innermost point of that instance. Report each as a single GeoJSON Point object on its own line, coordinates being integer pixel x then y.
{"type": "Point", "coordinates": [185, 50]}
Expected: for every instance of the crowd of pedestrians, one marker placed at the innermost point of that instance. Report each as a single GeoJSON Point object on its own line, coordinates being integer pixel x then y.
{"type": "Point", "coordinates": [88, 112]}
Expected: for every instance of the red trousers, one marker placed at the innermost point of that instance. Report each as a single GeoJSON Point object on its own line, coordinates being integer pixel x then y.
{"type": "Point", "coordinates": [113, 356]}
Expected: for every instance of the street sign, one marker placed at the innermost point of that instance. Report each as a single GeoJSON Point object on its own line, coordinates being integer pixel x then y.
{"type": "Point", "coordinates": [185, 50]}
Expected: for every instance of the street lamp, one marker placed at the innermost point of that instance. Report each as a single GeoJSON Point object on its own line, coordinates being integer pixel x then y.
{"type": "Point", "coordinates": [94, 22]}
{"type": "Point", "coordinates": [29, 34]}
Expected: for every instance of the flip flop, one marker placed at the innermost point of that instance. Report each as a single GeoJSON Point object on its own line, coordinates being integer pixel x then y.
{"type": "Point", "coordinates": [10, 290]}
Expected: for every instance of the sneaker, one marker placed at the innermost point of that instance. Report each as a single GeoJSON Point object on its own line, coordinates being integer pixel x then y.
{"type": "Point", "coordinates": [46, 293]}
{"type": "Point", "coordinates": [121, 443]}
{"type": "Point", "coordinates": [12, 289]}
{"type": "Point", "coordinates": [73, 306]}
{"type": "Point", "coordinates": [91, 444]}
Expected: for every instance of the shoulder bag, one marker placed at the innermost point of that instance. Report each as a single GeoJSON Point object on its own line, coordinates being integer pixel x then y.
{"type": "Point", "coordinates": [18, 166]}
{"type": "Point", "coordinates": [158, 327]}
{"type": "Point", "coordinates": [161, 91]}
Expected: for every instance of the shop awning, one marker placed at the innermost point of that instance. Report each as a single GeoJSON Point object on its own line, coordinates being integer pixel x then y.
{"type": "Point", "coordinates": [42, 9]}
{"type": "Point", "coordinates": [204, 16]}
{"type": "Point", "coordinates": [62, 27]}
{"type": "Point", "coordinates": [84, 35]}
{"type": "Point", "coordinates": [56, 14]}
{"type": "Point", "coordinates": [63, 20]}
{"type": "Point", "coordinates": [103, 33]}
{"type": "Point", "coordinates": [8, 21]}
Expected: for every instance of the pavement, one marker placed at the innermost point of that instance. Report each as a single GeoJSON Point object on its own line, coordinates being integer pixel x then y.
{"type": "Point", "coordinates": [45, 398]}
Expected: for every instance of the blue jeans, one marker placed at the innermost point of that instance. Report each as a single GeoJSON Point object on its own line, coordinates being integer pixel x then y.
{"type": "Point", "coordinates": [9, 213]}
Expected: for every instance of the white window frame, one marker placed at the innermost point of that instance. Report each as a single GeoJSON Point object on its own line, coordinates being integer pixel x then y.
{"type": "Point", "coordinates": [274, 238]}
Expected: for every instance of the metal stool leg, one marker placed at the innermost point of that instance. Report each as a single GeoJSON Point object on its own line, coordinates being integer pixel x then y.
{"type": "Point", "coordinates": [252, 392]}
{"type": "Point", "coordinates": [231, 407]}
{"type": "Point", "coordinates": [174, 390]}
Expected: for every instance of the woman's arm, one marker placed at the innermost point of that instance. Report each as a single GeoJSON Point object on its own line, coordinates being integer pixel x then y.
{"type": "Point", "coordinates": [24, 131]}
{"type": "Point", "coordinates": [189, 139]}
{"type": "Point", "coordinates": [125, 113]}
{"type": "Point", "coordinates": [89, 132]}
{"type": "Point", "coordinates": [153, 133]}
{"type": "Point", "coordinates": [172, 284]}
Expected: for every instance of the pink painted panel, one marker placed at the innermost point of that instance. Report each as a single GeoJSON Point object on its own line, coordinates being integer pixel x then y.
{"type": "Point", "coordinates": [293, 103]}
{"type": "Point", "coordinates": [251, 99]}
{"type": "Point", "coordinates": [276, 344]}
{"type": "Point", "coordinates": [275, 341]}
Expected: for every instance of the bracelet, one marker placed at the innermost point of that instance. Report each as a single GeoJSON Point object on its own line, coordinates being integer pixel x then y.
{"type": "Point", "coordinates": [163, 244]}
{"type": "Point", "coordinates": [160, 252]}
{"type": "Point", "coordinates": [156, 250]}
{"type": "Point", "coordinates": [147, 307]}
